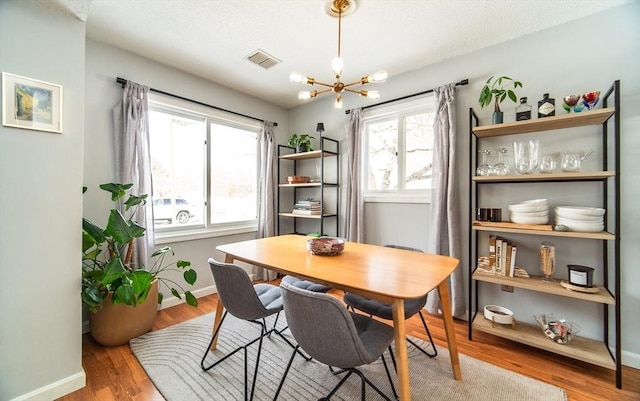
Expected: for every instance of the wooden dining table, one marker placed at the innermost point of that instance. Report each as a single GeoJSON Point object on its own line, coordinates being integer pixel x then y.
{"type": "Point", "coordinates": [386, 274]}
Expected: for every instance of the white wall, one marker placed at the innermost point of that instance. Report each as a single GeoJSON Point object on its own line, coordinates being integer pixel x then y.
{"type": "Point", "coordinates": [40, 212]}
{"type": "Point", "coordinates": [560, 61]}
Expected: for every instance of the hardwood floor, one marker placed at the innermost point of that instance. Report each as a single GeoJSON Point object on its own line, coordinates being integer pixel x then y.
{"type": "Point", "coordinates": [114, 374]}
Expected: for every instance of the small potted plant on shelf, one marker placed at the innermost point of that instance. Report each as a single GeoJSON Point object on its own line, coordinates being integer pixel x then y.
{"type": "Point", "coordinates": [496, 89]}
{"type": "Point", "coordinates": [301, 143]}
{"type": "Point", "coordinates": [114, 289]}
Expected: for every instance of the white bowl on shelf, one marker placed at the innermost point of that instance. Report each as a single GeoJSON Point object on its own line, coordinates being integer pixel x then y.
{"type": "Point", "coordinates": [527, 208]}
{"type": "Point", "coordinates": [544, 213]}
{"type": "Point", "coordinates": [585, 211]}
{"type": "Point", "coordinates": [536, 202]}
{"type": "Point", "coordinates": [498, 314]}
{"type": "Point", "coordinates": [515, 218]}
{"type": "Point", "coordinates": [566, 214]}
{"type": "Point", "coordinates": [581, 226]}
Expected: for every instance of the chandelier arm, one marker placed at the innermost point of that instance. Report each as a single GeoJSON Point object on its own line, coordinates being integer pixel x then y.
{"type": "Point", "coordinates": [323, 84]}
{"type": "Point", "coordinates": [352, 90]}
{"type": "Point", "coordinates": [353, 83]}
{"type": "Point", "coordinates": [323, 91]}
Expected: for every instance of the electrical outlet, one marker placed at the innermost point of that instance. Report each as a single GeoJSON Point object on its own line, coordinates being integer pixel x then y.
{"type": "Point", "coordinates": [506, 288]}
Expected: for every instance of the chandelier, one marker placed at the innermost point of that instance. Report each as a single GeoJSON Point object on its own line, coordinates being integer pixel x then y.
{"type": "Point", "coordinates": [339, 7]}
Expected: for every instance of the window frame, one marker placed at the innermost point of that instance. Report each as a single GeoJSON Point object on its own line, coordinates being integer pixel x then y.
{"type": "Point", "coordinates": [397, 111]}
{"type": "Point", "coordinates": [184, 108]}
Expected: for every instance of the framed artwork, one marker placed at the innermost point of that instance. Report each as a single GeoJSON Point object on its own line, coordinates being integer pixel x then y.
{"type": "Point", "coordinates": [31, 104]}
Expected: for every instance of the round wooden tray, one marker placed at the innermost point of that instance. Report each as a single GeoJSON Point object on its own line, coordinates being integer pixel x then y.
{"type": "Point", "coordinates": [569, 286]}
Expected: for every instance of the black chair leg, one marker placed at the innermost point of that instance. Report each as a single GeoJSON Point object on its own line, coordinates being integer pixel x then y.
{"type": "Point", "coordinates": [284, 375]}
{"type": "Point", "coordinates": [386, 369]}
{"type": "Point", "coordinates": [367, 381]}
{"type": "Point", "coordinates": [426, 329]}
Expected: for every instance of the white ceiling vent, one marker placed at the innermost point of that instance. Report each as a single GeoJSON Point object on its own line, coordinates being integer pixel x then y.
{"type": "Point", "coordinates": [263, 59]}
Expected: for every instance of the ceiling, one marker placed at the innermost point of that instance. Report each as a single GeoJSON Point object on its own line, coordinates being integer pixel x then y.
{"type": "Point", "coordinates": [212, 38]}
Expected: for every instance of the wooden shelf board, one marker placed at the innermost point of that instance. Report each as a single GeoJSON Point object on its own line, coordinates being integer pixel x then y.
{"type": "Point", "coordinates": [571, 120]}
{"type": "Point", "coordinates": [314, 154]}
{"type": "Point", "coordinates": [535, 283]}
{"type": "Point", "coordinates": [304, 216]}
{"type": "Point", "coordinates": [582, 176]}
{"type": "Point", "coordinates": [508, 224]}
{"type": "Point", "coordinates": [580, 348]}
{"type": "Point", "coordinates": [302, 185]}
{"type": "Point", "coordinates": [604, 235]}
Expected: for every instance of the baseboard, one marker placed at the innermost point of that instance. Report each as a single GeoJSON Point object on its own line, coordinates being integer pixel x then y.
{"type": "Point", "coordinates": [173, 301]}
{"type": "Point", "coordinates": [629, 359]}
{"type": "Point", "coordinates": [57, 389]}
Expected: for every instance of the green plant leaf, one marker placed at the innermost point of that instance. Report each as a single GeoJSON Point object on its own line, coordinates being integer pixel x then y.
{"type": "Point", "coordinates": [95, 232]}
{"type": "Point", "coordinates": [113, 271]}
{"type": "Point", "coordinates": [163, 250]}
{"type": "Point", "coordinates": [141, 280]}
{"type": "Point", "coordinates": [117, 190]}
{"type": "Point", "coordinates": [92, 296]}
{"type": "Point", "coordinates": [160, 297]}
{"type": "Point", "coordinates": [190, 276]}
{"type": "Point", "coordinates": [183, 263]}
{"type": "Point", "coordinates": [125, 295]}
{"type": "Point", "coordinates": [135, 200]}
{"type": "Point", "coordinates": [191, 300]}
{"type": "Point", "coordinates": [176, 293]}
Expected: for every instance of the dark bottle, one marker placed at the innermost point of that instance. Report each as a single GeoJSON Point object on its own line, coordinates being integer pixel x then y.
{"type": "Point", "coordinates": [546, 106]}
{"type": "Point", "coordinates": [523, 111]}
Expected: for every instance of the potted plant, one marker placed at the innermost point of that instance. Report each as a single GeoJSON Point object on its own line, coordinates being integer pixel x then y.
{"type": "Point", "coordinates": [497, 89]}
{"type": "Point", "coordinates": [116, 291]}
{"type": "Point", "coordinates": [302, 142]}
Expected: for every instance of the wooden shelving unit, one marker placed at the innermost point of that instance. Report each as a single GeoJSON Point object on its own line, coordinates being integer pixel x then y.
{"type": "Point", "coordinates": [608, 294]}
{"type": "Point", "coordinates": [329, 149]}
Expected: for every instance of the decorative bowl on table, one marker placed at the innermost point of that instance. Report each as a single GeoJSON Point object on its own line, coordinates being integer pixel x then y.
{"type": "Point", "coordinates": [326, 246]}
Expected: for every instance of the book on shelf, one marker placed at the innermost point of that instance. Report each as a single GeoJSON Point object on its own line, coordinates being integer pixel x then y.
{"type": "Point", "coordinates": [307, 202]}
{"type": "Point", "coordinates": [306, 212]}
{"type": "Point", "coordinates": [492, 253]}
{"type": "Point", "coordinates": [507, 260]}
{"type": "Point", "coordinates": [512, 265]}
{"type": "Point", "coordinates": [497, 265]}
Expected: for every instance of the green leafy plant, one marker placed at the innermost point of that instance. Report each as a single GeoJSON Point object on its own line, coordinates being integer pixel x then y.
{"type": "Point", "coordinates": [107, 253]}
{"type": "Point", "coordinates": [302, 142]}
{"type": "Point", "coordinates": [496, 89]}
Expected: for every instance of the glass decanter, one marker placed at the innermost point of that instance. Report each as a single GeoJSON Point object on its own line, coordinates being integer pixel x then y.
{"type": "Point", "coordinates": [484, 168]}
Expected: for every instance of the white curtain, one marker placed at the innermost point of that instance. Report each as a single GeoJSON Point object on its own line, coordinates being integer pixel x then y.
{"type": "Point", "coordinates": [354, 217]}
{"type": "Point", "coordinates": [133, 163]}
{"type": "Point", "coordinates": [267, 206]}
{"type": "Point", "coordinates": [444, 236]}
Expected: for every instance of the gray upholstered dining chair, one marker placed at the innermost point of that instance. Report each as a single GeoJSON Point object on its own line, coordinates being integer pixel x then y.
{"type": "Point", "coordinates": [305, 284]}
{"type": "Point", "coordinates": [245, 301]}
{"type": "Point", "coordinates": [334, 336]}
{"type": "Point", "coordinates": [385, 310]}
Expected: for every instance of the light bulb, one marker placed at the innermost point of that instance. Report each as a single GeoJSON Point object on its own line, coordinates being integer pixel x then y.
{"type": "Point", "coordinates": [338, 103]}
{"type": "Point", "coordinates": [370, 94]}
{"type": "Point", "coordinates": [336, 66]}
{"type": "Point", "coordinates": [304, 95]}
{"type": "Point", "coordinates": [377, 77]}
{"type": "Point", "coordinates": [298, 78]}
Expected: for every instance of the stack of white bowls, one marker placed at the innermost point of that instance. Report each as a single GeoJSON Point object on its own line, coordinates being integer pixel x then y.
{"type": "Point", "coordinates": [582, 219]}
{"type": "Point", "coordinates": [535, 211]}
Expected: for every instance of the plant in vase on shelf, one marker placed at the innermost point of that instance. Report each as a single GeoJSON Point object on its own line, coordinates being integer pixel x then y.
{"type": "Point", "coordinates": [109, 276]}
{"type": "Point", "coordinates": [497, 90]}
{"type": "Point", "coordinates": [301, 142]}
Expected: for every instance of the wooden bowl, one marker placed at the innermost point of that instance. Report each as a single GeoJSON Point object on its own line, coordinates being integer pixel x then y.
{"type": "Point", "coordinates": [297, 179]}
{"type": "Point", "coordinates": [326, 246]}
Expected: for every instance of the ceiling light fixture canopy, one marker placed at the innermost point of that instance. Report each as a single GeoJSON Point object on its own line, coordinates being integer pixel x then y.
{"type": "Point", "coordinates": [339, 7]}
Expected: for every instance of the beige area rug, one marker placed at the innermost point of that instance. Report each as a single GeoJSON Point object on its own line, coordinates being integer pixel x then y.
{"type": "Point", "coordinates": [171, 357]}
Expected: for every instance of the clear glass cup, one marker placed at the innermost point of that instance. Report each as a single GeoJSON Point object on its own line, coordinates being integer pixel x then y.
{"type": "Point", "coordinates": [484, 168]}
{"type": "Point", "coordinates": [501, 168]}
{"type": "Point", "coordinates": [526, 155]}
{"type": "Point", "coordinates": [547, 164]}
{"type": "Point", "coordinates": [571, 162]}
{"type": "Point", "coordinates": [547, 261]}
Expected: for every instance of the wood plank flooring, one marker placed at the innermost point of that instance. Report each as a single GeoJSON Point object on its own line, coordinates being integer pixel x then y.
{"type": "Point", "coordinates": [114, 374]}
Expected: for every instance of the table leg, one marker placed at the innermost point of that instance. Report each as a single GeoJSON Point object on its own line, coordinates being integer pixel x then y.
{"type": "Point", "coordinates": [445, 304]}
{"type": "Point", "coordinates": [404, 390]}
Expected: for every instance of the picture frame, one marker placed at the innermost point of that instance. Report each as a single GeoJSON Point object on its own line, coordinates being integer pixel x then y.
{"type": "Point", "coordinates": [31, 104]}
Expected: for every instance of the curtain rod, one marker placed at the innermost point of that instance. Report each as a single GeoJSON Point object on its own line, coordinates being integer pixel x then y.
{"type": "Point", "coordinates": [124, 81]}
{"type": "Point", "coordinates": [461, 83]}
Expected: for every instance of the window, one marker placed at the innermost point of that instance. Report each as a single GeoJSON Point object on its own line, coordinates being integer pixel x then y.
{"type": "Point", "coordinates": [204, 166]}
{"type": "Point", "coordinates": [398, 143]}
